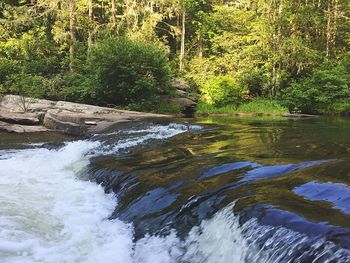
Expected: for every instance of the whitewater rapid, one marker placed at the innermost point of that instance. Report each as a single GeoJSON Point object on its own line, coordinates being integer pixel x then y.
{"type": "Point", "coordinates": [48, 214]}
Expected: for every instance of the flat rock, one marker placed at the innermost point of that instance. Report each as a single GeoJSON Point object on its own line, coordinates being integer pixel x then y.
{"type": "Point", "coordinates": [83, 108]}
{"type": "Point", "coordinates": [17, 128]}
{"type": "Point", "coordinates": [20, 104]}
{"type": "Point", "coordinates": [82, 123]}
{"type": "Point", "coordinates": [17, 118]}
{"type": "Point", "coordinates": [66, 117]}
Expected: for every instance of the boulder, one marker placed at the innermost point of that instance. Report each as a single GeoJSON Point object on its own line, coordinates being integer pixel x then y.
{"type": "Point", "coordinates": [185, 102]}
{"type": "Point", "coordinates": [72, 116]}
{"type": "Point", "coordinates": [51, 122]}
{"type": "Point", "coordinates": [180, 84]}
{"type": "Point", "coordinates": [181, 93]}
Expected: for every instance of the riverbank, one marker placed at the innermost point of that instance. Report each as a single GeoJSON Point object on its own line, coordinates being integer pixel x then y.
{"type": "Point", "coordinates": [22, 114]}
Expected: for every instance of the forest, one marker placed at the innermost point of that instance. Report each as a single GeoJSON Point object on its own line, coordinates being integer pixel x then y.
{"type": "Point", "coordinates": [291, 54]}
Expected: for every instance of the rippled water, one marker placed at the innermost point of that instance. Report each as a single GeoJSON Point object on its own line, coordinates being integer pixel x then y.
{"type": "Point", "coordinates": [212, 190]}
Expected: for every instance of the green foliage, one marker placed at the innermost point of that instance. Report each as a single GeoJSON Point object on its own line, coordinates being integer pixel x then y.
{"type": "Point", "coordinates": [26, 85]}
{"type": "Point", "coordinates": [168, 108]}
{"type": "Point", "coordinates": [2, 91]}
{"type": "Point", "coordinates": [223, 90]}
{"type": "Point", "coordinates": [126, 73]}
{"type": "Point", "coordinates": [327, 89]}
{"type": "Point", "coordinates": [232, 50]}
{"type": "Point", "coordinates": [31, 53]}
{"type": "Point", "coordinates": [36, 86]}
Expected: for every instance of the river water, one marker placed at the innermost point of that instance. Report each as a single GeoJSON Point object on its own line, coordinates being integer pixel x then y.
{"type": "Point", "coordinates": [198, 190]}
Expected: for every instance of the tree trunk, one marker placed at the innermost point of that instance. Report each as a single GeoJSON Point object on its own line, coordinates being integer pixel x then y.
{"type": "Point", "coordinates": [114, 21]}
{"type": "Point", "coordinates": [334, 25]}
{"type": "Point", "coordinates": [182, 47]}
{"type": "Point", "coordinates": [72, 29]}
{"type": "Point", "coordinates": [200, 46]}
{"type": "Point", "coordinates": [90, 26]}
{"type": "Point", "coordinates": [328, 30]}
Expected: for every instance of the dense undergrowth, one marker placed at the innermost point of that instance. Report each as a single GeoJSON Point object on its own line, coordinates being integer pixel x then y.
{"type": "Point", "coordinates": [239, 56]}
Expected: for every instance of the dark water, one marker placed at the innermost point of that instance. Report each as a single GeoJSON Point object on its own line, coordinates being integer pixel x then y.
{"type": "Point", "coordinates": [233, 189]}
{"type": "Point", "coordinates": [289, 176]}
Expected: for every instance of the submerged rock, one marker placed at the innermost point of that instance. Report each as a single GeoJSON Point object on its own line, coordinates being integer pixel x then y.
{"type": "Point", "coordinates": [298, 116]}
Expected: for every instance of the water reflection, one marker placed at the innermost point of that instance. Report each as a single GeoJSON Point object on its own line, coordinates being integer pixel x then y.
{"type": "Point", "coordinates": [337, 194]}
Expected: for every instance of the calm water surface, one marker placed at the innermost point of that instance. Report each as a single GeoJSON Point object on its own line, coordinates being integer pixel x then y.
{"type": "Point", "coordinates": [195, 190]}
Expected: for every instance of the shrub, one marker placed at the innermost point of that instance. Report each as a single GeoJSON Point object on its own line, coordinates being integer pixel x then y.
{"type": "Point", "coordinates": [256, 82]}
{"type": "Point", "coordinates": [223, 90]}
{"type": "Point", "coordinates": [169, 108]}
{"type": "Point", "coordinates": [318, 93]}
{"type": "Point", "coordinates": [26, 85]}
{"type": "Point", "coordinates": [2, 90]}
{"type": "Point", "coordinates": [125, 73]}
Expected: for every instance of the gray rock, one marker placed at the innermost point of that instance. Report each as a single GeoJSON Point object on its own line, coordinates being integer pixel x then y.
{"type": "Point", "coordinates": [14, 103]}
{"type": "Point", "coordinates": [185, 102]}
{"type": "Point", "coordinates": [180, 84]}
{"type": "Point", "coordinates": [52, 123]}
{"type": "Point", "coordinates": [16, 118]}
{"type": "Point", "coordinates": [17, 128]}
{"type": "Point", "coordinates": [182, 93]}
{"type": "Point", "coordinates": [67, 117]}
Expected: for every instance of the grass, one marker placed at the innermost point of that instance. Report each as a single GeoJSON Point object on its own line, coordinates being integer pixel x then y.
{"type": "Point", "coordinates": [257, 106]}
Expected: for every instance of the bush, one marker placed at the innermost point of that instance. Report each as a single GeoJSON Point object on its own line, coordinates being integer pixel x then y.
{"type": "Point", "coordinates": [256, 82]}
{"type": "Point", "coordinates": [125, 73]}
{"type": "Point", "coordinates": [169, 108]}
{"type": "Point", "coordinates": [26, 85]}
{"type": "Point", "coordinates": [223, 90]}
{"type": "Point", "coordinates": [320, 92]}
{"type": "Point", "coordinates": [2, 90]}
{"type": "Point", "coordinates": [36, 86]}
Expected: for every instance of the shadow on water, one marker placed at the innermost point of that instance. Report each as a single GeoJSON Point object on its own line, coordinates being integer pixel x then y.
{"type": "Point", "coordinates": [283, 175]}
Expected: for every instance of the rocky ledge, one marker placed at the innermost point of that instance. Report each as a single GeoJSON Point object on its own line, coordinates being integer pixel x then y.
{"type": "Point", "coordinates": [19, 114]}
{"type": "Point", "coordinates": [298, 116]}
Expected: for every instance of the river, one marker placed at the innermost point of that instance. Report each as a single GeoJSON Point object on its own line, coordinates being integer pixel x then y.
{"type": "Point", "coordinates": [200, 190]}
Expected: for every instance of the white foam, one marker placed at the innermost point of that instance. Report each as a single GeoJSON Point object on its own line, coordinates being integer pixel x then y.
{"type": "Point", "coordinates": [47, 215]}
{"type": "Point", "coordinates": [156, 132]}
{"type": "Point", "coordinates": [218, 239]}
